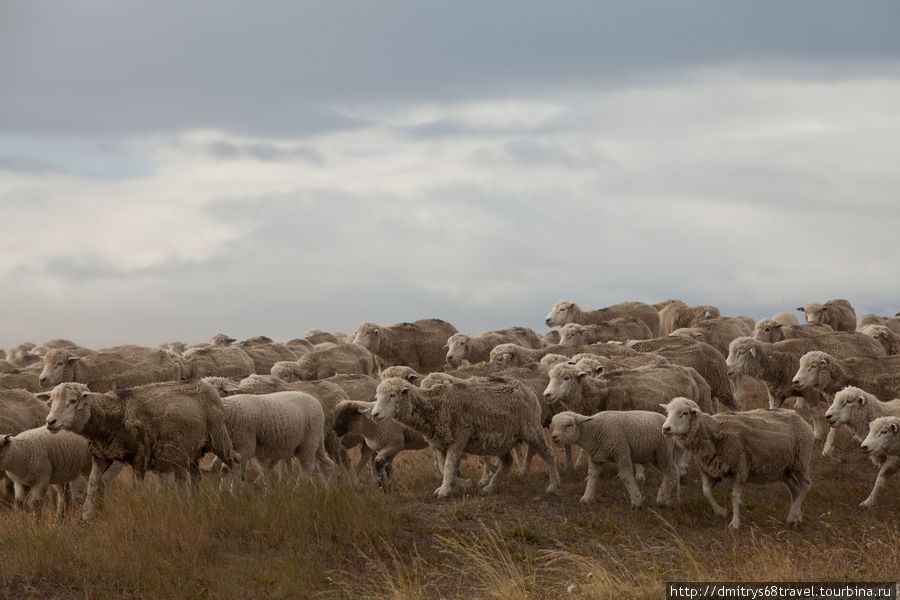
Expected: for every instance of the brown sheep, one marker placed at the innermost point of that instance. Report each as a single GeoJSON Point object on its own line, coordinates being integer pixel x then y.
{"type": "Point", "coordinates": [477, 348]}
{"type": "Point", "coordinates": [675, 314]}
{"type": "Point", "coordinates": [568, 312]}
{"type": "Point", "coordinates": [125, 367]}
{"type": "Point", "coordinates": [576, 334]}
{"type": "Point", "coordinates": [419, 345]}
{"type": "Point", "coordinates": [321, 364]}
{"type": "Point", "coordinates": [837, 313]}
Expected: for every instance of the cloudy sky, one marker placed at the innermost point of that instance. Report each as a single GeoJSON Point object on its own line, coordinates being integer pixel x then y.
{"type": "Point", "coordinates": [169, 170]}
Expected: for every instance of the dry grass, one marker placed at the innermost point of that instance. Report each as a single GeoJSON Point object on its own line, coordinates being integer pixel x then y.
{"type": "Point", "coordinates": [340, 542]}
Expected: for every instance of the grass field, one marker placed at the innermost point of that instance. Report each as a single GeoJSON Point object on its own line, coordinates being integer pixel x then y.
{"type": "Point", "coordinates": [339, 541]}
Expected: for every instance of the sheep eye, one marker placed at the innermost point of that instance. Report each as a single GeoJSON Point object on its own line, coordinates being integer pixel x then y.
{"type": "Point", "coordinates": [566, 378]}
{"type": "Point", "coordinates": [59, 364]}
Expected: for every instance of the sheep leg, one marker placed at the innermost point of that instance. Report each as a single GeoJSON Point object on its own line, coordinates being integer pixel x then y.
{"type": "Point", "coordinates": [639, 475]}
{"type": "Point", "coordinates": [737, 494]}
{"type": "Point", "coordinates": [580, 460]}
{"type": "Point", "coordinates": [487, 471]}
{"type": "Point", "coordinates": [94, 493]}
{"type": "Point", "coordinates": [570, 464]}
{"type": "Point", "coordinates": [799, 487]}
{"type": "Point", "coordinates": [525, 464]}
{"type": "Point", "coordinates": [452, 459]}
{"type": "Point", "coordinates": [708, 484]}
{"type": "Point", "coordinates": [35, 496]}
{"type": "Point", "coordinates": [593, 477]}
{"type": "Point", "coordinates": [828, 448]}
{"type": "Point", "coordinates": [889, 467]}
{"type": "Point", "coordinates": [438, 463]}
{"type": "Point", "coordinates": [325, 466]}
{"type": "Point", "coordinates": [383, 467]}
{"type": "Point", "coordinates": [506, 462]}
{"type": "Point", "coordinates": [626, 474]}
{"type": "Point", "coordinates": [21, 492]}
{"type": "Point", "coordinates": [62, 499]}
{"type": "Point", "coordinates": [366, 455]}
{"type": "Point", "coordinates": [669, 489]}
{"type": "Point", "coordinates": [536, 440]}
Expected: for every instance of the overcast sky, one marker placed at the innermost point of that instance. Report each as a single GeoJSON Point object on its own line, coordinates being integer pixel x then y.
{"type": "Point", "coordinates": [169, 170]}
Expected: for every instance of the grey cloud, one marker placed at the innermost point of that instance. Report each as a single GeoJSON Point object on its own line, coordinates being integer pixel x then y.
{"type": "Point", "coordinates": [225, 150]}
{"type": "Point", "coordinates": [29, 165]}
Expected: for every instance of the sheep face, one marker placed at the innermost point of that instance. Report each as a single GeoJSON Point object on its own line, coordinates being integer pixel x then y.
{"type": "Point", "coordinates": [564, 379]}
{"type": "Point", "coordinates": [388, 395]}
{"type": "Point", "coordinates": [222, 385]}
{"type": "Point", "coordinates": [590, 364]}
{"type": "Point", "coordinates": [55, 363]}
{"type": "Point", "coordinates": [884, 436]}
{"type": "Point", "coordinates": [743, 357]}
{"type": "Point", "coordinates": [368, 335]}
{"type": "Point", "coordinates": [566, 427]}
{"type": "Point", "coordinates": [456, 348]}
{"type": "Point", "coordinates": [846, 403]}
{"type": "Point", "coordinates": [285, 370]}
{"type": "Point", "coordinates": [69, 407]}
{"type": "Point", "coordinates": [346, 416]}
{"type": "Point", "coordinates": [769, 331]}
{"type": "Point", "coordinates": [813, 371]}
{"type": "Point", "coordinates": [5, 441]}
{"type": "Point", "coordinates": [572, 334]}
{"type": "Point", "coordinates": [815, 313]}
{"type": "Point", "coordinates": [549, 360]}
{"type": "Point", "coordinates": [504, 355]}
{"type": "Point", "coordinates": [687, 332]}
{"type": "Point", "coordinates": [680, 415]}
{"type": "Point", "coordinates": [403, 372]}
{"type": "Point", "coordinates": [561, 313]}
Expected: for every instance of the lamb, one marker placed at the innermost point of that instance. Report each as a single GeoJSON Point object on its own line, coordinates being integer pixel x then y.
{"type": "Point", "coordinates": [36, 459]}
{"type": "Point", "coordinates": [755, 446]}
{"type": "Point", "coordinates": [383, 440]}
{"type": "Point", "coordinates": [19, 411]}
{"type": "Point", "coordinates": [627, 389]}
{"type": "Point", "coordinates": [575, 334]}
{"type": "Point", "coordinates": [627, 438]}
{"type": "Point", "coordinates": [477, 348]}
{"type": "Point", "coordinates": [418, 345]}
{"type": "Point", "coordinates": [321, 364]}
{"type": "Point", "coordinates": [776, 364]}
{"type": "Point", "coordinates": [275, 427]}
{"type": "Point", "coordinates": [839, 314]}
{"type": "Point", "coordinates": [771, 331]}
{"type": "Point", "coordinates": [887, 337]}
{"type": "Point", "coordinates": [883, 439]}
{"type": "Point", "coordinates": [855, 408]}
{"type": "Point", "coordinates": [126, 367]}
{"type": "Point", "coordinates": [828, 375]}
{"type": "Point", "coordinates": [564, 312]}
{"type": "Point", "coordinates": [675, 314]}
{"type": "Point", "coordinates": [217, 360]}
{"type": "Point", "coordinates": [716, 331]}
{"type": "Point", "coordinates": [162, 427]}
{"type": "Point", "coordinates": [702, 357]}
{"type": "Point", "coordinates": [473, 418]}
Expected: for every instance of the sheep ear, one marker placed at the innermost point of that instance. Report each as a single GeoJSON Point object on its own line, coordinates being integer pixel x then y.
{"type": "Point", "coordinates": [779, 325]}
{"type": "Point", "coordinates": [801, 309]}
{"type": "Point", "coordinates": [43, 397]}
{"type": "Point", "coordinates": [894, 427]}
{"type": "Point", "coordinates": [4, 440]}
{"type": "Point", "coordinates": [695, 411]}
{"type": "Point", "coordinates": [363, 410]}
{"type": "Point", "coordinates": [580, 374]}
{"type": "Point", "coordinates": [72, 359]}
{"type": "Point", "coordinates": [598, 369]}
{"type": "Point", "coordinates": [445, 347]}
{"type": "Point", "coordinates": [861, 400]}
{"type": "Point", "coordinates": [665, 407]}
{"type": "Point", "coordinates": [752, 351]}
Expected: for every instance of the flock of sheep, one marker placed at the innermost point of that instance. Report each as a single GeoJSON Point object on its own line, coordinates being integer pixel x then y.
{"type": "Point", "coordinates": [632, 384]}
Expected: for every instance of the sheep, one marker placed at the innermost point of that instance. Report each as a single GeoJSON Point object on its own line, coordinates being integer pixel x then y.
{"type": "Point", "coordinates": [548, 360]}
{"type": "Point", "coordinates": [785, 318]}
{"type": "Point", "coordinates": [887, 337]}
{"type": "Point", "coordinates": [221, 339]}
{"type": "Point", "coordinates": [675, 314]}
{"type": "Point", "coordinates": [21, 355]}
{"type": "Point", "coordinates": [474, 418]}
{"type": "Point", "coordinates": [702, 357]}
{"type": "Point", "coordinates": [627, 438]}
{"type": "Point", "coordinates": [892, 323]}
{"type": "Point", "coordinates": [383, 440]}
{"type": "Point", "coordinates": [7, 367]}
{"type": "Point", "coordinates": [18, 379]}
{"type": "Point", "coordinates": [321, 364]}
{"type": "Point", "coordinates": [512, 354]}
{"type": "Point", "coordinates": [828, 375]}
{"type": "Point", "coordinates": [771, 331]}
{"type": "Point", "coordinates": [37, 458]}
{"type": "Point", "coordinates": [855, 408]}
{"type": "Point", "coordinates": [265, 355]}
{"type": "Point", "coordinates": [162, 427]}
{"type": "Point", "coordinates": [299, 346]}
{"type": "Point", "coordinates": [551, 338]}
{"type": "Point", "coordinates": [627, 389]}
{"type": "Point", "coordinates": [597, 364]}
{"type": "Point", "coordinates": [418, 345]}
{"type": "Point", "coordinates": [126, 367]}
{"type": "Point", "coordinates": [217, 360]}
{"type": "Point", "coordinates": [274, 427]}
{"type": "Point", "coordinates": [755, 446]}
{"type": "Point", "coordinates": [176, 347]}
{"type": "Point", "coordinates": [716, 331]}
{"type": "Point", "coordinates": [317, 336]}
{"type": "Point", "coordinates": [564, 312]}
{"type": "Point", "coordinates": [884, 439]}
{"type": "Point", "coordinates": [776, 364]}
{"type": "Point", "coordinates": [837, 313]}
{"type": "Point", "coordinates": [477, 348]}
{"type": "Point", "coordinates": [20, 410]}
{"type": "Point", "coordinates": [575, 334]}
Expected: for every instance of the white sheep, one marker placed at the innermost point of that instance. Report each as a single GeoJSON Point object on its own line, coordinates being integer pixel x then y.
{"type": "Point", "coordinates": [755, 446]}
{"type": "Point", "coordinates": [838, 313]}
{"type": "Point", "coordinates": [568, 312]}
{"type": "Point", "coordinates": [621, 329]}
{"type": "Point", "coordinates": [275, 427]}
{"type": "Point", "coordinates": [855, 408]}
{"type": "Point", "coordinates": [37, 459]}
{"type": "Point", "coordinates": [627, 438]}
{"type": "Point", "coordinates": [883, 439]}
{"type": "Point", "coordinates": [477, 348]}
{"type": "Point", "coordinates": [469, 418]}
{"type": "Point", "coordinates": [886, 336]}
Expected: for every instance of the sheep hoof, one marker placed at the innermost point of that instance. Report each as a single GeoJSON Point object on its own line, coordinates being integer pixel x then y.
{"type": "Point", "coordinates": [586, 500]}
{"type": "Point", "coordinates": [442, 493]}
{"type": "Point", "coordinates": [734, 525]}
{"type": "Point", "coordinates": [635, 506]}
{"type": "Point", "coordinates": [552, 489]}
{"type": "Point", "coordinates": [864, 505]}
{"type": "Point", "coordinates": [721, 512]}
{"type": "Point", "coordinates": [487, 490]}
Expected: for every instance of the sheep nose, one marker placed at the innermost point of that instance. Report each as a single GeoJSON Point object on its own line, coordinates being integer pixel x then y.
{"type": "Point", "coordinates": [547, 395]}
{"type": "Point", "coordinates": [865, 448]}
{"type": "Point", "coordinates": [796, 382]}
{"type": "Point", "coordinates": [666, 429]}
{"type": "Point", "coordinates": [547, 321]}
{"type": "Point", "coordinates": [42, 380]}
